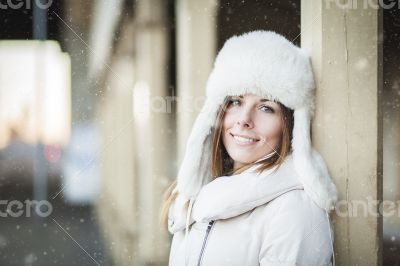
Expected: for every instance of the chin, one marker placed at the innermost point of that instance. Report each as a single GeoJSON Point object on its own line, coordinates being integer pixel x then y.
{"type": "Point", "coordinates": [241, 158]}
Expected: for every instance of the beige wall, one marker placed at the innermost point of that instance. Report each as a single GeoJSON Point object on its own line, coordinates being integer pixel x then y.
{"type": "Point", "coordinates": [344, 47]}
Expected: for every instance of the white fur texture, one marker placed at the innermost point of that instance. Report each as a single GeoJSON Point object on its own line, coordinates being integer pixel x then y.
{"type": "Point", "coordinates": [266, 64]}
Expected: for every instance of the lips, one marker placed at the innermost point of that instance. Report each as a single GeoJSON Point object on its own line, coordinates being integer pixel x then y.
{"type": "Point", "coordinates": [242, 139]}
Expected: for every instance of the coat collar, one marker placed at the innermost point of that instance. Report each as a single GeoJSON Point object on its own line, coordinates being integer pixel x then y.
{"type": "Point", "coordinates": [229, 196]}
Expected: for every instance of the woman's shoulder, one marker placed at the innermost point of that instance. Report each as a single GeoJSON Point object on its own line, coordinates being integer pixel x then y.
{"type": "Point", "coordinates": [296, 230]}
{"type": "Point", "coordinates": [297, 208]}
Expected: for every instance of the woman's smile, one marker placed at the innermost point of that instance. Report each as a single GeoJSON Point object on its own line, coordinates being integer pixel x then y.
{"type": "Point", "coordinates": [244, 140]}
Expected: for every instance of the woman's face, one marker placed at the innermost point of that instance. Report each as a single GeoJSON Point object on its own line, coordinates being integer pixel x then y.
{"type": "Point", "coordinates": [252, 128]}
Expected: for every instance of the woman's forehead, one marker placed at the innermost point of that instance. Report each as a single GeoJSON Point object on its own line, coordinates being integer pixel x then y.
{"type": "Point", "coordinates": [254, 96]}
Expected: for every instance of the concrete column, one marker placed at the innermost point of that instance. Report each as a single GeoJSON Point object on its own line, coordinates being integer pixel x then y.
{"type": "Point", "coordinates": [343, 43]}
{"type": "Point", "coordinates": [196, 41]}
{"type": "Point", "coordinates": [117, 198]}
{"type": "Point", "coordinates": [151, 127]}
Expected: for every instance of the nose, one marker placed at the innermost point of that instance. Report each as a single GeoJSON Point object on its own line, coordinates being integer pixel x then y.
{"type": "Point", "coordinates": [244, 119]}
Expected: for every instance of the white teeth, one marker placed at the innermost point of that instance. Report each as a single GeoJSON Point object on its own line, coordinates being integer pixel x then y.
{"type": "Point", "coordinates": [246, 140]}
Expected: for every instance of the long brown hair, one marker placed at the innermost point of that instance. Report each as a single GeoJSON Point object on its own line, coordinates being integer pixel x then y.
{"type": "Point", "coordinates": [222, 163]}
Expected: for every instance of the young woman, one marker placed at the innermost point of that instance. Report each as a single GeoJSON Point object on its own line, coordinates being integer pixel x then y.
{"type": "Point", "coordinates": [251, 190]}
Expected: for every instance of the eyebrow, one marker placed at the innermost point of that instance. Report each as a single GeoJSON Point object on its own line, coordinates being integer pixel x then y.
{"type": "Point", "coordinates": [262, 100]}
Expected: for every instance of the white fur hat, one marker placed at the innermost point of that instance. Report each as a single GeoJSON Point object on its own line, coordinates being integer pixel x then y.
{"type": "Point", "coordinates": [266, 64]}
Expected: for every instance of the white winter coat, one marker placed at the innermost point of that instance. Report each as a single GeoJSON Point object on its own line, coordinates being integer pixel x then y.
{"type": "Point", "coordinates": [251, 219]}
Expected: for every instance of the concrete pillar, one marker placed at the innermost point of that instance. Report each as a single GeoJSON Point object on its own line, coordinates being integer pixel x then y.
{"type": "Point", "coordinates": [196, 41]}
{"type": "Point", "coordinates": [117, 198]}
{"type": "Point", "coordinates": [343, 42]}
{"type": "Point", "coordinates": [151, 127]}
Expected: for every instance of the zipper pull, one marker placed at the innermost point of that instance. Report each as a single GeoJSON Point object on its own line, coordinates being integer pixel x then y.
{"type": "Point", "coordinates": [209, 225]}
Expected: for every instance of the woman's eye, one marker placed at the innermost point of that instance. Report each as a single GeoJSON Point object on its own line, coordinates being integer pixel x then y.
{"type": "Point", "coordinates": [267, 109]}
{"type": "Point", "coordinates": [234, 102]}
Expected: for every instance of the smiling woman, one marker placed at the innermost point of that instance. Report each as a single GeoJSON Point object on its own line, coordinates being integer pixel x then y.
{"type": "Point", "coordinates": [251, 190]}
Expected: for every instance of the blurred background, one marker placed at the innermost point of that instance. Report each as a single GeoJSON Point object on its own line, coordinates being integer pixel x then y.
{"type": "Point", "coordinates": [97, 98]}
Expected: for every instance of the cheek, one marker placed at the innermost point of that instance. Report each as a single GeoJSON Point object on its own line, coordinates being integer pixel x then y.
{"type": "Point", "coordinates": [225, 126]}
{"type": "Point", "coordinates": [271, 128]}
{"type": "Point", "coordinates": [227, 122]}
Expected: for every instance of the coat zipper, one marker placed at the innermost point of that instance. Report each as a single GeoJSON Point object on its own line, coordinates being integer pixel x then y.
{"type": "Point", "coordinates": [210, 224]}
